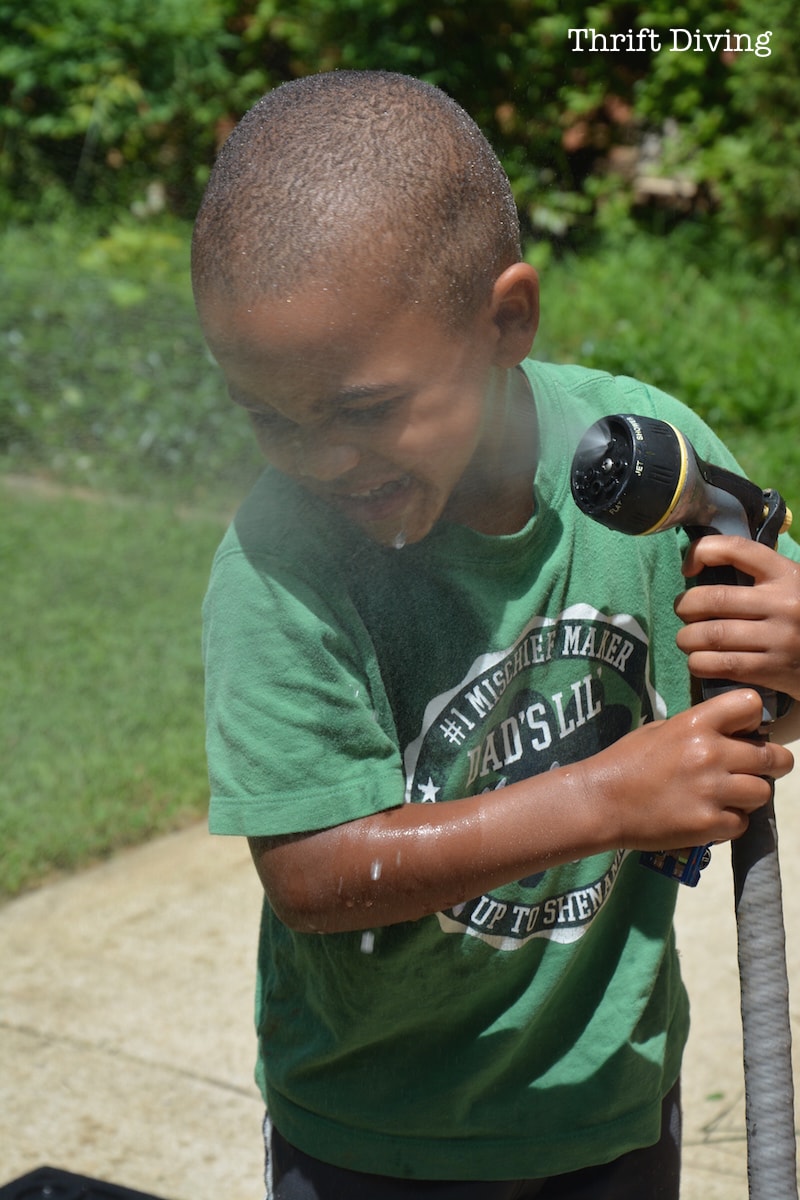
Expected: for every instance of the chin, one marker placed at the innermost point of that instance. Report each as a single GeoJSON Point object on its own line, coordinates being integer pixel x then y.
{"type": "Point", "coordinates": [398, 535]}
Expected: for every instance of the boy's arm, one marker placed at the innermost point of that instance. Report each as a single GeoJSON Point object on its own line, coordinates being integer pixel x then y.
{"type": "Point", "coordinates": [686, 781]}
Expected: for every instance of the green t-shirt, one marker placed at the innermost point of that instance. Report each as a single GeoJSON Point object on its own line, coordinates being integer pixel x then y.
{"type": "Point", "coordinates": [527, 1032]}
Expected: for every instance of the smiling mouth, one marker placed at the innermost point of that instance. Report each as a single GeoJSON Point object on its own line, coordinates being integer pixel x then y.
{"type": "Point", "coordinates": [380, 489]}
{"type": "Point", "coordinates": [373, 503]}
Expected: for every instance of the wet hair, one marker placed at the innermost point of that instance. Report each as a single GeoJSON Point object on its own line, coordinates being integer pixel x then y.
{"type": "Point", "coordinates": [346, 169]}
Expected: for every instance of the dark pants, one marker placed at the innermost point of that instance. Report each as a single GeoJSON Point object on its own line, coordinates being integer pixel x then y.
{"type": "Point", "coordinates": [648, 1174]}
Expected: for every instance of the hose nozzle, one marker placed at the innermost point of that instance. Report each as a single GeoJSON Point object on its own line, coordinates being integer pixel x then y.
{"type": "Point", "coordinates": [640, 475]}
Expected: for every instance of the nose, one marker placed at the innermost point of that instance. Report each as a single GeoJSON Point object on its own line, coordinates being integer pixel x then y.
{"type": "Point", "coordinates": [323, 460]}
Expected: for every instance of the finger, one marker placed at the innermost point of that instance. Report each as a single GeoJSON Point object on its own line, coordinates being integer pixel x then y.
{"type": "Point", "coordinates": [742, 670]}
{"type": "Point", "coordinates": [753, 765]}
{"type": "Point", "coordinates": [746, 794]}
{"type": "Point", "coordinates": [710, 601]}
{"type": "Point", "coordinates": [751, 558]}
{"type": "Point", "coordinates": [737, 711]}
{"type": "Point", "coordinates": [738, 651]}
{"type": "Point", "coordinates": [726, 635]}
{"type": "Point", "coordinates": [732, 824]}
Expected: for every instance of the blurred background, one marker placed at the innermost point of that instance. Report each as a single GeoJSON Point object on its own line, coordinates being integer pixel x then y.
{"type": "Point", "coordinates": [659, 192]}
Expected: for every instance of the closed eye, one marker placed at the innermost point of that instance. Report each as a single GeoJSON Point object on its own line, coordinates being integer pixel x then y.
{"type": "Point", "coordinates": [267, 419]}
{"type": "Point", "coordinates": [369, 413]}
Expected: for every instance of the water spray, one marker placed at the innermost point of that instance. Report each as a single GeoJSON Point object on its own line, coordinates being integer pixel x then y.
{"type": "Point", "coordinates": [639, 476]}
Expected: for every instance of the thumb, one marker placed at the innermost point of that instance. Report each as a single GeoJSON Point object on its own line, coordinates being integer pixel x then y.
{"type": "Point", "coordinates": [737, 711]}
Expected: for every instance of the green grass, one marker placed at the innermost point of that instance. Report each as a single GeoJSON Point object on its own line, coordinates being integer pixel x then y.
{"type": "Point", "coordinates": [102, 735]}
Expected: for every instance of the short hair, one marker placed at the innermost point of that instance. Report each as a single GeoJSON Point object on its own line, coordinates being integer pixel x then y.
{"type": "Point", "coordinates": [348, 167]}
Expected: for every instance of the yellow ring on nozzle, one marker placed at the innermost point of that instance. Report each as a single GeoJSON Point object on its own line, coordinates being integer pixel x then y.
{"type": "Point", "coordinates": [787, 521]}
{"type": "Point", "coordinates": [660, 523]}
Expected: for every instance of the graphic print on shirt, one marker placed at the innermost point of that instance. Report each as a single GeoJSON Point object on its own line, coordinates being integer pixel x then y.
{"type": "Point", "coordinates": [567, 688]}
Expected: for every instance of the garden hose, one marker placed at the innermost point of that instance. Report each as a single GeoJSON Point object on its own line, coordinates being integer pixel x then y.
{"type": "Point", "coordinates": [766, 1029]}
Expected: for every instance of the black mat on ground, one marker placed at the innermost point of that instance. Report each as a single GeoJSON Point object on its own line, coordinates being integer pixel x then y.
{"type": "Point", "coordinates": [51, 1183]}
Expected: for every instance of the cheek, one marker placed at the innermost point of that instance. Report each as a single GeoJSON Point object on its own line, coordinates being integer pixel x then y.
{"type": "Point", "coordinates": [444, 428]}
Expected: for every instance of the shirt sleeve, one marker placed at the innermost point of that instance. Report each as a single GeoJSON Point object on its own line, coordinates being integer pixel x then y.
{"type": "Point", "coordinates": [299, 732]}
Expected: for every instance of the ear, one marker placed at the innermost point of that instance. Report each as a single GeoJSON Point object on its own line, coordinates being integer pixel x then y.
{"type": "Point", "coordinates": [515, 312]}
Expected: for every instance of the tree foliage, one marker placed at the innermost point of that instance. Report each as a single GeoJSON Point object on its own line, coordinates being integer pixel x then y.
{"type": "Point", "coordinates": [125, 105]}
{"type": "Point", "coordinates": [100, 101]}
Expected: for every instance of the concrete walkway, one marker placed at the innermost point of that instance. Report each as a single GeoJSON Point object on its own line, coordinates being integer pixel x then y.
{"type": "Point", "coordinates": [126, 1040]}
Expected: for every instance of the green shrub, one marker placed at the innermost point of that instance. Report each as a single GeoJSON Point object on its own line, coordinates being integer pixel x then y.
{"type": "Point", "coordinates": [123, 106]}
{"type": "Point", "coordinates": [737, 119]}
{"type": "Point", "coordinates": [99, 101]}
{"type": "Point", "coordinates": [699, 325]}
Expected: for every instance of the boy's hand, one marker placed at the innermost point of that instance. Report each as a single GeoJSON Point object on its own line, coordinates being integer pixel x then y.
{"type": "Point", "coordinates": [681, 782]}
{"type": "Point", "coordinates": [749, 635]}
{"type": "Point", "coordinates": [689, 780]}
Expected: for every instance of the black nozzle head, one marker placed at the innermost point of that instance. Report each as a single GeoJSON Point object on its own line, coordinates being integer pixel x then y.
{"type": "Point", "coordinates": [627, 472]}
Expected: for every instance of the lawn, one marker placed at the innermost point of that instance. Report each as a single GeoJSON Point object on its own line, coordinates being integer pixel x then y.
{"type": "Point", "coordinates": [102, 733]}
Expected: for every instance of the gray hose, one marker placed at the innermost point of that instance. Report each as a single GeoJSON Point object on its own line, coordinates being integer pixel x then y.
{"type": "Point", "coordinates": [766, 1025]}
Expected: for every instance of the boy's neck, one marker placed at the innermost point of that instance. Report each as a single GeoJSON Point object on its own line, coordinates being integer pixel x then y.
{"type": "Point", "coordinates": [495, 495]}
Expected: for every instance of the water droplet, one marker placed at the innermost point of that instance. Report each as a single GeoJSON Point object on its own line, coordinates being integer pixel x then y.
{"type": "Point", "coordinates": [375, 869]}
{"type": "Point", "coordinates": [367, 941]}
{"type": "Point", "coordinates": [399, 541]}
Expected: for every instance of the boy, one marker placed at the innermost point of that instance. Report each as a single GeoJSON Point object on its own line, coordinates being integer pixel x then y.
{"type": "Point", "coordinates": [436, 691]}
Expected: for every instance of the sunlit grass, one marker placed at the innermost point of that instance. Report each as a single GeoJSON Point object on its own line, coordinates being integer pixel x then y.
{"type": "Point", "coordinates": [102, 730]}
